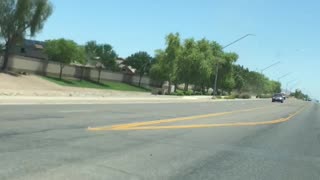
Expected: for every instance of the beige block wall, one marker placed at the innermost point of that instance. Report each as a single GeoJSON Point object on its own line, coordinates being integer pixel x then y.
{"type": "Point", "coordinates": [144, 80]}
{"type": "Point", "coordinates": [24, 63]}
{"type": "Point", "coordinates": [20, 63]}
{"type": "Point", "coordinates": [114, 76]}
{"type": "Point", "coordinates": [54, 68]}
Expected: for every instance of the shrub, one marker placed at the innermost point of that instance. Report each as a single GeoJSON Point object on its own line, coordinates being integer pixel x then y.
{"type": "Point", "coordinates": [197, 93]}
{"type": "Point", "coordinates": [266, 96]}
{"type": "Point", "coordinates": [224, 93]}
{"type": "Point", "coordinates": [188, 93]}
{"type": "Point", "coordinates": [179, 93]}
{"type": "Point", "coordinates": [236, 96]}
{"type": "Point", "coordinates": [245, 96]}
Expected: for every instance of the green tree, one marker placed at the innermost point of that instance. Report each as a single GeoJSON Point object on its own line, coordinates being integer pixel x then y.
{"type": "Point", "coordinates": [157, 71]}
{"type": "Point", "coordinates": [217, 60]}
{"type": "Point", "coordinates": [185, 63]}
{"type": "Point", "coordinates": [239, 74]}
{"type": "Point", "coordinates": [91, 49]}
{"type": "Point", "coordinates": [102, 55]}
{"type": "Point", "coordinates": [226, 78]}
{"type": "Point", "coordinates": [141, 61]}
{"type": "Point", "coordinates": [300, 95]}
{"type": "Point", "coordinates": [19, 17]}
{"type": "Point", "coordinates": [156, 74]}
{"type": "Point", "coordinates": [64, 52]}
{"type": "Point", "coordinates": [276, 87]}
{"type": "Point", "coordinates": [166, 60]}
{"type": "Point", "coordinates": [107, 56]}
{"type": "Point", "coordinates": [171, 56]}
{"type": "Point", "coordinates": [203, 64]}
{"type": "Point", "coordinates": [81, 58]}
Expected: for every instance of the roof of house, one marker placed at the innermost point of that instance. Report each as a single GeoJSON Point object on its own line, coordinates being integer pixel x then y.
{"type": "Point", "coordinates": [127, 69]}
{"type": "Point", "coordinates": [31, 48]}
{"type": "Point", "coordinates": [120, 61]}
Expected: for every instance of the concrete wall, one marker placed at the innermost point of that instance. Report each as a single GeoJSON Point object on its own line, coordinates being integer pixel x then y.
{"type": "Point", "coordinates": [42, 67]}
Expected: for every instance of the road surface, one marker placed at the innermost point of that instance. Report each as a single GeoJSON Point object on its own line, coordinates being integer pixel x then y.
{"type": "Point", "coordinates": [204, 140]}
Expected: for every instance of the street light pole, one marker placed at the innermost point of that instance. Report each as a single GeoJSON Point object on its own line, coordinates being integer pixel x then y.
{"type": "Point", "coordinates": [270, 66]}
{"type": "Point", "coordinates": [283, 76]}
{"type": "Point", "coordinates": [289, 83]}
{"type": "Point", "coordinates": [217, 64]}
{"type": "Point", "coordinates": [294, 85]}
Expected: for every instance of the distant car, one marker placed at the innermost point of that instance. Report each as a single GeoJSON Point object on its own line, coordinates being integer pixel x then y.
{"type": "Point", "coordinates": [278, 98]}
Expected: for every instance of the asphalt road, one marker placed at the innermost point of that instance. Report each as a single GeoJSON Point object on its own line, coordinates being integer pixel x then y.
{"type": "Point", "coordinates": [221, 140]}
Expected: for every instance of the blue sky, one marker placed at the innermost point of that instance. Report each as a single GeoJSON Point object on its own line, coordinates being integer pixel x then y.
{"type": "Point", "coordinates": [286, 30]}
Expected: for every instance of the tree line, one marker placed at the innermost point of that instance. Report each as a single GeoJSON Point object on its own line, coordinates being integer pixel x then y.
{"type": "Point", "coordinates": [101, 56]}
{"type": "Point", "coordinates": [193, 62]}
{"type": "Point", "coordinates": [300, 95]}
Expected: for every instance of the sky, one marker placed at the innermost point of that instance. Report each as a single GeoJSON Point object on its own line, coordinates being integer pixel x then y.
{"type": "Point", "coordinates": [285, 30]}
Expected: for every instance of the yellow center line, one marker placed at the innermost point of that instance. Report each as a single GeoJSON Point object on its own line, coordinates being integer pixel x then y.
{"type": "Point", "coordinates": [276, 121]}
{"type": "Point", "coordinates": [148, 123]}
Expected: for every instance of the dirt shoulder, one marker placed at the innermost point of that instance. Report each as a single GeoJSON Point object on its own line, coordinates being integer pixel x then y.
{"type": "Point", "coordinates": [35, 86]}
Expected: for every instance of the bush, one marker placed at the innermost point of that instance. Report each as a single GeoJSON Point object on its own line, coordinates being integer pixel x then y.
{"type": "Point", "coordinates": [198, 93]}
{"type": "Point", "coordinates": [245, 96]}
{"type": "Point", "coordinates": [236, 96]}
{"type": "Point", "coordinates": [224, 93]}
{"type": "Point", "coordinates": [188, 93]}
{"type": "Point", "coordinates": [179, 93]}
{"type": "Point", "coordinates": [264, 96]}
{"type": "Point", "coordinates": [218, 97]}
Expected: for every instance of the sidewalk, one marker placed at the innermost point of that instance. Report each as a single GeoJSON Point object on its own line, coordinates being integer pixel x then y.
{"type": "Point", "coordinates": [7, 100]}
{"type": "Point", "coordinates": [25, 100]}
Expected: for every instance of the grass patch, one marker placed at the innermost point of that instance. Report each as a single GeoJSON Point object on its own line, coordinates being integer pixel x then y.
{"type": "Point", "coordinates": [91, 84]}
